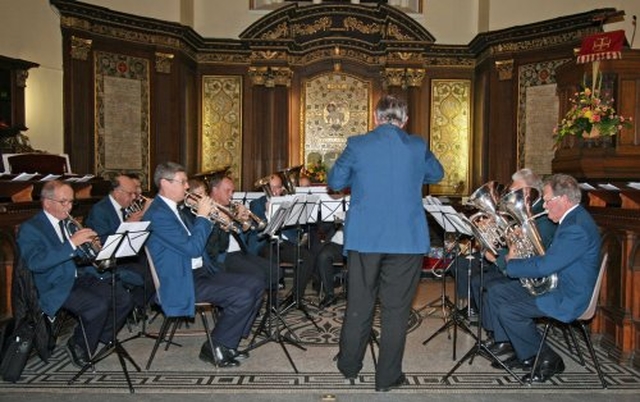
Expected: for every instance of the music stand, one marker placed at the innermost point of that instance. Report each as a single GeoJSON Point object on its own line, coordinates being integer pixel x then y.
{"type": "Point", "coordinates": [447, 217]}
{"type": "Point", "coordinates": [126, 242]}
{"type": "Point", "coordinates": [480, 348]}
{"type": "Point", "coordinates": [300, 212]}
{"type": "Point", "coordinates": [272, 311]}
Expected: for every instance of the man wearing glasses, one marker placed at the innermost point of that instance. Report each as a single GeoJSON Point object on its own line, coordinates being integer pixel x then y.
{"type": "Point", "coordinates": [105, 217]}
{"type": "Point", "coordinates": [49, 251]}
{"type": "Point", "coordinates": [573, 255]}
{"type": "Point", "coordinates": [186, 274]}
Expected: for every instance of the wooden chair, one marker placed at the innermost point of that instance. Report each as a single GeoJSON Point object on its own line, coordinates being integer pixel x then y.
{"type": "Point", "coordinates": [580, 322]}
{"type": "Point", "coordinates": [172, 323]}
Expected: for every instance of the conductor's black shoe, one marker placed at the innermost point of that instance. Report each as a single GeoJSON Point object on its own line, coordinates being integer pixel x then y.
{"type": "Point", "coordinates": [77, 354]}
{"type": "Point", "coordinates": [501, 348]}
{"type": "Point", "coordinates": [219, 356]}
{"type": "Point", "coordinates": [329, 300]}
{"type": "Point", "coordinates": [402, 380]}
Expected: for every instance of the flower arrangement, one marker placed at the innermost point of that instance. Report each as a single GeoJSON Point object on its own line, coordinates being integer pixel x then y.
{"type": "Point", "coordinates": [317, 172]}
{"type": "Point", "coordinates": [590, 117]}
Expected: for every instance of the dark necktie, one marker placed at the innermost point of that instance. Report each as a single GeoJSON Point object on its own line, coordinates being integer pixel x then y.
{"type": "Point", "coordinates": [123, 212]}
{"type": "Point", "coordinates": [62, 230]}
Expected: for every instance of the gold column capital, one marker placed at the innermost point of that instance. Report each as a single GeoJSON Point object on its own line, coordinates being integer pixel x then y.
{"type": "Point", "coordinates": [270, 76]}
{"type": "Point", "coordinates": [505, 69]}
{"type": "Point", "coordinates": [80, 48]}
{"type": "Point", "coordinates": [164, 62]}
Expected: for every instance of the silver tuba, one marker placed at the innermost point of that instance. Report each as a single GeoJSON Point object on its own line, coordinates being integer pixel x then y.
{"type": "Point", "coordinates": [488, 226]}
{"type": "Point", "coordinates": [523, 234]}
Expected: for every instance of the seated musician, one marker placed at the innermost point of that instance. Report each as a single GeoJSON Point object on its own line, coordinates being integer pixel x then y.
{"type": "Point", "coordinates": [573, 256]}
{"type": "Point", "coordinates": [186, 274]}
{"type": "Point", "coordinates": [49, 249]}
{"type": "Point", "coordinates": [327, 254]}
{"type": "Point", "coordinates": [227, 248]}
{"type": "Point", "coordinates": [495, 265]}
{"type": "Point", "coordinates": [105, 217]}
{"type": "Point", "coordinates": [290, 246]}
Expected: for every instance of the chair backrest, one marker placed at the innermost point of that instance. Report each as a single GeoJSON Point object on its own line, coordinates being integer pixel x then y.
{"type": "Point", "coordinates": [154, 274]}
{"type": "Point", "coordinates": [593, 303]}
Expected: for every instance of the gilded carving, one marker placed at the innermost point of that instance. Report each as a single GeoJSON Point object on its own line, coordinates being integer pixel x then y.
{"type": "Point", "coordinates": [80, 48]}
{"type": "Point", "coordinates": [450, 134]}
{"type": "Point", "coordinates": [505, 69]}
{"type": "Point", "coordinates": [222, 123]}
{"type": "Point", "coordinates": [270, 76]}
{"type": "Point", "coordinates": [414, 77]}
{"type": "Point", "coordinates": [322, 24]}
{"type": "Point", "coordinates": [280, 32]}
{"type": "Point", "coordinates": [163, 62]}
{"type": "Point", "coordinates": [335, 107]}
{"type": "Point", "coordinates": [394, 31]}
{"type": "Point", "coordinates": [352, 23]}
{"type": "Point", "coordinates": [268, 55]}
{"type": "Point", "coordinates": [449, 62]}
{"type": "Point", "coordinates": [402, 77]}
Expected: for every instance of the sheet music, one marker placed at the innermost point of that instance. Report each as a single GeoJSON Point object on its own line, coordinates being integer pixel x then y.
{"type": "Point", "coordinates": [24, 176]}
{"type": "Point", "coordinates": [608, 186]}
{"type": "Point", "coordinates": [51, 177]}
{"type": "Point", "coordinates": [301, 209]}
{"type": "Point", "coordinates": [332, 208]}
{"type": "Point", "coordinates": [311, 190]}
{"type": "Point", "coordinates": [448, 218]}
{"type": "Point", "coordinates": [128, 239]}
{"type": "Point", "coordinates": [245, 197]}
{"type": "Point", "coordinates": [633, 184]}
{"type": "Point", "coordinates": [586, 186]}
{"type": "Point", "coordinates": [85, 178]}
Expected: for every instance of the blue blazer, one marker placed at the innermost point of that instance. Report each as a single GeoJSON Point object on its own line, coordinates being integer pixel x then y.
{"type": "Point", "coordinates": [103, 218]}
{"type": "Point", "coordinates": [575, 255]}
{"type": "Point", "coordinates": [50, 260]}
{"type": "Point", "coordinates": [172, 249]}
{"type": "Point", "coordinates": [386, 169]}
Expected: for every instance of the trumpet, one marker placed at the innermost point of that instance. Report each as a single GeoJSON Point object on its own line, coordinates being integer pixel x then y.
{"type": "Point", "coordinates": [136, 205]}
{"type": "Point", "coordinates": [252, 222]}
{"type": "Point", "coordinates": [218, 215]}
{"type": "Point", "coordinates": [88, 250]}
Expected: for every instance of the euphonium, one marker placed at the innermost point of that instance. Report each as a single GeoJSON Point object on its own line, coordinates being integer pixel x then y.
{"type": "Point", "coordinates": [523, 235]}
{"type": "Point", "coordinates": [291, 178]}
{"type": "Point", "coordinates": [487, 224]}
{"type": "Point", "coordinates": [263, 183]}
{"type": "Point", "coordinates": [217, 214]}
{"type": "Point", "coordinates": [88, 250]}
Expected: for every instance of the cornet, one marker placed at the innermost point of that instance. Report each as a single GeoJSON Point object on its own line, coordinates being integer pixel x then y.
{"type": "Point", "coordinates": [136, 205]}
{"type": "Point", "coordinates": [253, 222]}
{"type": "Point", "coordinates": [88, 250]}
{"type": "Point", "coordinates": [218, 214]}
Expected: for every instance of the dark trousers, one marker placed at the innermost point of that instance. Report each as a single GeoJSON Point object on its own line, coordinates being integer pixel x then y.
{"type": "Point", "coordinates": [244, 263]}
{"type": "Point", "coordinates": [90, 299]}
{"type": "Point", "coordinates": [514, 311]}
{"type": "Point", "coordinates": [328, 254]}
{"type": "Point", "coordinates": [239, 296]}
{"type": "Point", "coordinates": [482, 285]}
{"type": "Point", "coordinates": [393, 278]}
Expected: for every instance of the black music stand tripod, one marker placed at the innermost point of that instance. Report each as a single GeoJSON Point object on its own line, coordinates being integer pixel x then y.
{"type": "Point", "coordinates": [272, 321]}
{"type": "Point", "coordinates": [449, 219]}
{"type": "Point", "coordinates": [480, 348]}
{"type": "Point", "coordinates": [122, 244]}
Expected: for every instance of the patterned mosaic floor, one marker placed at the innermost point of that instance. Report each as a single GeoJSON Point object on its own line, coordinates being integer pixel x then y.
{"type": "Point", "coordinates": [268, 370]}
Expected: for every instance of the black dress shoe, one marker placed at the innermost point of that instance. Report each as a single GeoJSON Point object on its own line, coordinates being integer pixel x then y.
{"type": "Point", "coordinates": [402, 380]}
{"type": "Point", "coordinates": [546, 369]}
{"type": "Point", "coordinates": [514, 363]}
{"type": "Point", "coordinates": [77, 354]}
{"type": "Point", "coordinates": [219, 357]}
{"type": "Point", "coordinates": [329, 300]}
{"type": "Point", "coordinates": [501, 348]}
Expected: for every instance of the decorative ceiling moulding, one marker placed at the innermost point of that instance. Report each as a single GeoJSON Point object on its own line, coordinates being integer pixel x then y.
{"type": "Point", "coordinates": [164, 62]}
{"type": "Point", "coordinates": [561, 31]}
{"type": "Point", "coordinates": [270, 77]}
{"type": "Point", "coordinates": [80, 48]}
{"type": "Point", "coordinates": [504, 69]}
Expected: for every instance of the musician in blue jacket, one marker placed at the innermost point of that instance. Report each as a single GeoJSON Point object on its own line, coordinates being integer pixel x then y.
{"type": "Point", "coordinates": [573, 255]}
{"type": "Point", "coordinates": [385, 236]}
{"type": "Point", "coordinates": [105, 217]}
{"type": "Point", "coordinates": [49, 250]}
{"type": "Point", "coordinates": [186, 274]}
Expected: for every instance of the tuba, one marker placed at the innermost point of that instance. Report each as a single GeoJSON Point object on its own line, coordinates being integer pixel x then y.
{"type": "Point", "coordinates": [487, 224]}
{"type": "Point", "coordinates": [523, 234]}
{"type": "Point", "coordinates": [291, 178]}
